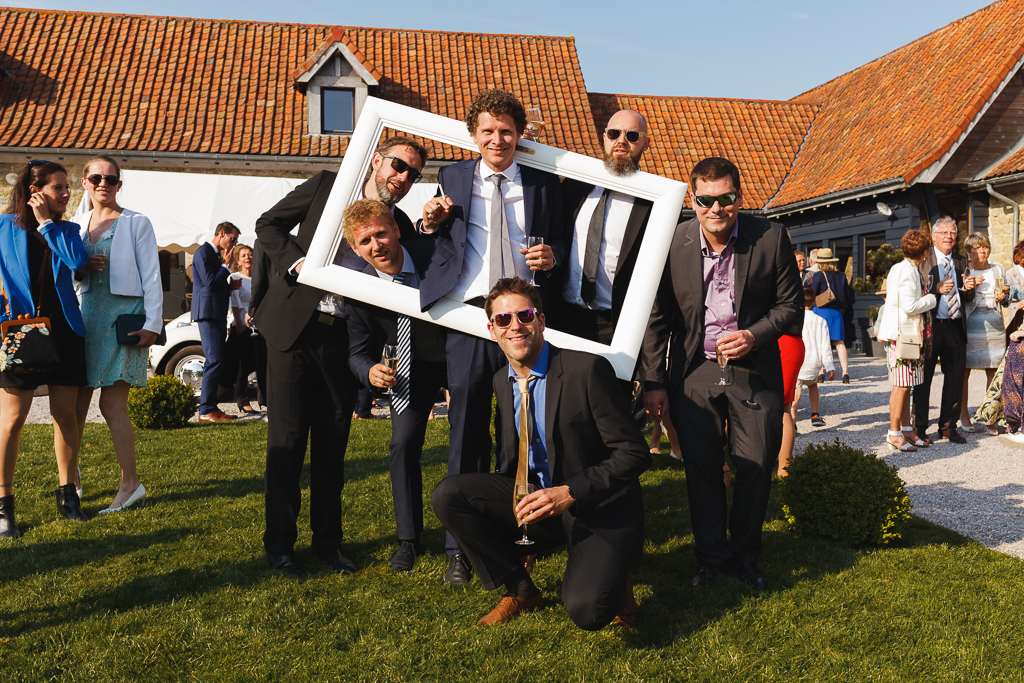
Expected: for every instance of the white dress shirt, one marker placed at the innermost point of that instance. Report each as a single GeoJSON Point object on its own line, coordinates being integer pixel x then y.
{"type": "Point", "coordinates": [947, 268]}
{"type": "Point", "coordinates": [474, 280]}
{"type": "Point", "coordinates": [616, 214]}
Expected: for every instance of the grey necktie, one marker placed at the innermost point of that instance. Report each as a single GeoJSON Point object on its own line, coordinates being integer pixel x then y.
{"type": "Point", "coordinates": [501, 264]}
{"type": "Point", "coordinates": [952, 301]}
{"type": "Point", "coordinates": [588, 286]}
{"type": "Point", "coordinates": [400, 401]}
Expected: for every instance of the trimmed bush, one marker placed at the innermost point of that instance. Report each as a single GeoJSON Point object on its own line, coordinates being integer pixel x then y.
{"type": "Point", "coordinates": [837, 492]}
{"type": "Point", "coordinates": [165, 404]}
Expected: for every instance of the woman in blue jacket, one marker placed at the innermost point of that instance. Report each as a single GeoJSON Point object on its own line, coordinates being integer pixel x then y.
{"type": "Point", "coordinates": [38, 253]}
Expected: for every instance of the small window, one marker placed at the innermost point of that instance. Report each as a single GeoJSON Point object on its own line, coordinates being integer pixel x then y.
{"type": "Point", "coordinates": [338, 110]}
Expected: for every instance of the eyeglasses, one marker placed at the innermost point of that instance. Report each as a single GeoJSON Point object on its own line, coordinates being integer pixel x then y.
{"type": "Point", "coordinates": [95, 179]}
{"type": "Point", "coordinates": [401, 167]}
{"type": "Point", "coordinates": [946, 234]}
{"type": "Point", "coordinates": [706, 201]}
{"type": "Point", "coordinates": [631, 135]}
{"type": "Point", "coordinates": [233, 239]}
{"type": "Point", "coordinates": [525, 317]}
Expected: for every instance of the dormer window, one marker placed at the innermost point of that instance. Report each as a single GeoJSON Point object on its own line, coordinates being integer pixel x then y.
{"type": "Point", "coordinates": [336, 86]}
{"type": "Point", "coordinates": [338, 112]}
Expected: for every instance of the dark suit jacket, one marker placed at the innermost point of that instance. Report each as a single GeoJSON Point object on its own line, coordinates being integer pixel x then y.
{"type": "Point", "coordinates": [574, 193]}
{"type": "Point", "coordinates": [370, 327]}
{"type": "Point", "coordinates": [210, 293]}
{"type": "Point", "coordinates": [593, 446]}
{"type": "Point", "coordinates": [542, 195]}
{"type": "Point", "coordinates": [930, 268]}
{"type": "Point", "coordinates": [769, 301]}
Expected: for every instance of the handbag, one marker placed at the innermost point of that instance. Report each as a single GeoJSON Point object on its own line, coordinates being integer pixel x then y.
{"type": "Point", "coordinates": [908, 346]}
{"type": "Point", "coordinates": [130, 322]}
{"type": "Point", "coordinates": [826, 296]}
{"type": "Point", "coordinates": [26, 343]}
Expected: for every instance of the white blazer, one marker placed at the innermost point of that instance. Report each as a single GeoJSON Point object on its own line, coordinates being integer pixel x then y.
{"type": "Point", "coordinates": [134, 264]}
{"type": "Point", "coordinates": [903, 302]}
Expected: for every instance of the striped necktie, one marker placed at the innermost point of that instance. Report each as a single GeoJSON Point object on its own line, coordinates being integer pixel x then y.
{"type": "Point", "coordinates": [400, 401]}
{"type": "Point", "coordinates": [952, 300]}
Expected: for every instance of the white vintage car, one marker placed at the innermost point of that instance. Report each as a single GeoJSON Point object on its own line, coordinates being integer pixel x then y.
{"type": "Point", "coordinates": [182, 355]}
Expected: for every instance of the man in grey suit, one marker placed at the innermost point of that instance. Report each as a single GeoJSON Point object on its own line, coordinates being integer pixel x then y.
{"type": "Point", "coordinates": [730, 286]}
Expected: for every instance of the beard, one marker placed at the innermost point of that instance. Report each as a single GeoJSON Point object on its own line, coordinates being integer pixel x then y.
{"type": "Point", "coordinates": [621, 166]}
{"type": "Point", "coordinates": [384, 192]}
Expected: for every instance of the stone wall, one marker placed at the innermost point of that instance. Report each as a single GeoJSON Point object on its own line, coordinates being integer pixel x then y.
{"type": "Point", "coordinates": [1000, 224]}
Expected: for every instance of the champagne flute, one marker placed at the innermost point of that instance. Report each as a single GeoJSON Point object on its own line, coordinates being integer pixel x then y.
{"type": "Point", "coordinates": [723, 361]}
{"type": "Point", "coordinates": [532, 241]}
{"type": "Point", "coordinates": [534, 122]}
{"type": "Point", "coordinates": [522, 491]}
{"type": "Point", "coordinates": [389, 358]}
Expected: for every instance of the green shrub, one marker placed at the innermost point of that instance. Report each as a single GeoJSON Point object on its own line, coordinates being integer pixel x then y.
{"type": "Point", "coordinates": [873, 311]}
{"type": "Point", "coordinates": [837, 492]}
{"type": "Point", "coordinates": [165, 404]}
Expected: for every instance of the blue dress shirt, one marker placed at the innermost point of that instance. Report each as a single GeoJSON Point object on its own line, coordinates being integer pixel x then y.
{"type": "Point", "coordinates": [538, 389]}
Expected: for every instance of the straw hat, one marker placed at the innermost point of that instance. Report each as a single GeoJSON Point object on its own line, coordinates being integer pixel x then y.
{"type": "Point", "coordinates": [825, 256]}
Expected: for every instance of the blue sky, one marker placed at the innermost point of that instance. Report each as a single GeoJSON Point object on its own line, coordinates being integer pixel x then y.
{"type": "Point", "coordinates": [767, 49]}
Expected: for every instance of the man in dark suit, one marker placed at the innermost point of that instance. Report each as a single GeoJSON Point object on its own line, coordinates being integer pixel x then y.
{"type": "Point", "coordinates": [372, 233]}
{"type": "Point", "coordinates": [211, 289]}
{"type": "Point", "coordinates": [607, 229]}
{"type": "Point", "coordinates": [493, 205]}
{"type": "Point", "coordinates": [310, 390]}
{"type": "Point", "coordinates": [730, 286]}
{"type": "Point", "coordinates": [568, 432]}
{"type": "Point", "coordinates": [942, 271]}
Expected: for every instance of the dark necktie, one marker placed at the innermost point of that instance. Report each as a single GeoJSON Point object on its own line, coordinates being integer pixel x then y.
{"type": "Point", "coordinates": [588, 285]}
{"type": "Point", "coordinates": [400, 401]}
{"type": "Point", "coordinates": [501, 263]}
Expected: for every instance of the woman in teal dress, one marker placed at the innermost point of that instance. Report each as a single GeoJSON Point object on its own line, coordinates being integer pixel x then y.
{"type": "Point", "coordinates": [123, 276]}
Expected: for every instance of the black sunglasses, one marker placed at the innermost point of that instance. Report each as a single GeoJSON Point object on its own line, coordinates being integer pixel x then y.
{"type": "Point", "coordinates": [95, 179]}
{"type": "Point", "coordinates": [525, 317]}
{"type": "Point", "coordinates": [706, 201]}
{"type": "Point", "coordinates": [631, 135]}
{"type": "Point", "coordinates": [39, 162]}
{"type": "Point", "coordinates": [401, 167]}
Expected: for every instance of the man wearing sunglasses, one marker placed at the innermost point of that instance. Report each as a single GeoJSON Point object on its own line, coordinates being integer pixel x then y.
{"type": "Point", "coordinates": [491, 207]}
{"type": "Point", "coordinates": [373, 234]}
{"type": "Point", "coordinates": [211, 289]}
{"type": "Point", "coordinates": [568, 432]}
{"type": "Point", "coordinates": [395, 167]}
{"type": "Point", "coordinates": [731, 284]}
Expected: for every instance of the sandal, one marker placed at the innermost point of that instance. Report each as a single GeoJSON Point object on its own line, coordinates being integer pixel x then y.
{"type": "Point", "coordinates": [907, 447]}
{"type": "Point", "coordinates": [920, 443]}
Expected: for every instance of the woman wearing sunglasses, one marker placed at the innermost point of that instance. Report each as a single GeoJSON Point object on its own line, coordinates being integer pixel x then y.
{"type": "Point", "coordinates": [122, 277]}
{"type": "Point", "coordinates": [38, 253]}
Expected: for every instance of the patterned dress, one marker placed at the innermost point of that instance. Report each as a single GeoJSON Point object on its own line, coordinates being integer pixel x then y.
{"type": "Point", "coordinates": [990, 412]}
{"type": "Point", "coordinates": [1013, 386]}
{"type": "Point", "coordinates": [107, 361]}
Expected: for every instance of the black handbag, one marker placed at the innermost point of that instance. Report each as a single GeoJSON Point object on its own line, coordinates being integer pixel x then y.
{"type": "Point", "coordinates": [131, 322]}
{"type": "Point", "coordinates": [27, 345]}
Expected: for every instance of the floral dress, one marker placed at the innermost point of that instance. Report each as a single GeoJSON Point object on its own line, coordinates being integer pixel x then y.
{"type": "Point", "coordinates": [107, 361]}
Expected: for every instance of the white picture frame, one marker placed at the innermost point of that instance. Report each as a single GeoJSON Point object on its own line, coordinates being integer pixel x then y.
{"type": "Point", "coordinates": [319, 270]}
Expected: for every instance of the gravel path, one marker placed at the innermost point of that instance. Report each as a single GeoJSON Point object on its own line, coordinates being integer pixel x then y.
{"type": "Point", "coordinates": [976, 489]}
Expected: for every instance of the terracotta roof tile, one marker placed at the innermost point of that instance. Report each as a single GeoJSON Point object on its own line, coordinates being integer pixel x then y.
{"type": "Point", "coordinates": [227, 87]}
{"type": "Point", "coordinates": [760, 137]}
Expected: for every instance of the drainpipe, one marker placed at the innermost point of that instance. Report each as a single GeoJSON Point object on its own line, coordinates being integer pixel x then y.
{"type": "Point", "coordinates": [1016, 210]}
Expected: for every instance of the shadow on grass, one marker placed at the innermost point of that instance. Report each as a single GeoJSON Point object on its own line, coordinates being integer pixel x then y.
{"type": "Point", "coordinates": [211, 488]}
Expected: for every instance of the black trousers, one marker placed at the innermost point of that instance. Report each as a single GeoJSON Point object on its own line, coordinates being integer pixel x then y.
{"type": "Point", "coordinates": [477, 509]}
{"type": "Point", "coordinates": [245, 354]}
{"type": "Point", "coordinates": [364, 403]}
{"type": "Point", "coordinates": [472, 362]}
{"type": "Point", "coordinates": [699, 412]}
{"type": "Point", "coordinates": [408, 431]}
{"type": "Point", "coordinates": [584, 322]}
{"type": "Point", "coordinates": [949, 345]}
{"type": "Point", "coordinates": [310, 397]}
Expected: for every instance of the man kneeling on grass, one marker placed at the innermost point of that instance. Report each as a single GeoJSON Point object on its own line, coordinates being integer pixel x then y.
{"type": "Point", "coordinates": [581, 456]}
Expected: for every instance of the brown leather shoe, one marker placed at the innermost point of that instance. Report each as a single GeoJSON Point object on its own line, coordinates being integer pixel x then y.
{"type": "Point", "coordinates": [953, 435]}
{"type": "Point", "coordinates": [216, 416]}
{"type": "Point", "coordinates": [510, 607]}
{"type": "Point", "coordinates": [629, 613]}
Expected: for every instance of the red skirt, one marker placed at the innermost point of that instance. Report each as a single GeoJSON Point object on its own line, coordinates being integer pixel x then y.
{"type": "Point", "coordinates": [792, 351]}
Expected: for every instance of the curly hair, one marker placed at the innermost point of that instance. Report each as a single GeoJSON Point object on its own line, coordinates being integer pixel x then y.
{"type": "Point", "coordinates": [976, 239]}
{"type": "Point", "coordinates": [361, 212]}
{"type": "Point", "coordinates": [915, 243]}
{"type": "Point", "coordinates": [1018, 254]}
{"type": "Point", "coordinates": [35, 174]}
{"type": "Point", "coordinates": [496, 103]}
{"type": "Point", "coordinates": [513, 285]}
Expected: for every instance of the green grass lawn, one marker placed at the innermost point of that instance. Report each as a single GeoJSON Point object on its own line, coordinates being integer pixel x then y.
{"type": "Point", "coordinates": [180, 590]}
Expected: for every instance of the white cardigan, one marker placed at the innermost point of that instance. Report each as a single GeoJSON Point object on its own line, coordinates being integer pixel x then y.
{"type": "Point", "coordinates": [133, 265]}
{"type": "Point", "coordinates": [903, 302]}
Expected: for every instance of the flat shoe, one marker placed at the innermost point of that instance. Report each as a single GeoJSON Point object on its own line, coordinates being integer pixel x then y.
{"type": "Point", "coordinates": [138, 497]}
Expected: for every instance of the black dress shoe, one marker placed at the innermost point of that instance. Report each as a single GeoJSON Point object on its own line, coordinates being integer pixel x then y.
{"type": "Point", "coordinates": [953, 435]}
{"type": "Point", "coordinates": [8, 527]}
{"type": "Point", "coordinates": [751, 575]}
{"type": "Point", "coordinates": [287, 565]}
{"type": "Point", "coordinates": [706, 577]}
{"type": "Point", "coordinates": [459, 571]}
{"type": "Point", "coordinates": [339, 563]}
{"type": "Point", "coordinates": [68, 504]}
{"type": "Point", "coordinates": [405, 558]}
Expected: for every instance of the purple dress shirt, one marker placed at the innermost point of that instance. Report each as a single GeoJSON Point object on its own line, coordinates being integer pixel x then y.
{"type": "Point", "coordinates": [719, 291]}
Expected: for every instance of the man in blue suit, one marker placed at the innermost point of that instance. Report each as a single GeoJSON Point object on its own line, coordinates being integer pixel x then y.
{"type": "Point", "coordinates": [493, 205]}
{"type": "Point", "coordinates": [211, 288]}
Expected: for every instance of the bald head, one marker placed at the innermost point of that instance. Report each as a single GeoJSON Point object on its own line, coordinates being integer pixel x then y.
{"type": "Point", "coordinates": [621, 156]}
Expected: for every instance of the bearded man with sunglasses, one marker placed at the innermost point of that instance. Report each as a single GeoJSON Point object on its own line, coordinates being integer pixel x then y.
{"type": "Point", "coordinates": [731, 284]}
{"type": "Point", "coordinates": [569, 433]}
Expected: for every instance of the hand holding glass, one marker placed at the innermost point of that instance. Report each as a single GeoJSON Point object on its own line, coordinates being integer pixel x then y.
{"type": "Point", "coordinates": [522, 491]}
{"type": "Point", "coordinates": [530, 243]}
{"type": "Point", "coordinates": [723, 361]}
{"type": "Point", "coordinates": [389, 358]}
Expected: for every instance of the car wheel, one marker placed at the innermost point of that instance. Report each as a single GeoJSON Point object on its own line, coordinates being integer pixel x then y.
{"type": "Point", "coordinates": [187, 366]}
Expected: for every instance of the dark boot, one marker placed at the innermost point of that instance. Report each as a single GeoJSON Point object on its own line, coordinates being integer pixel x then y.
{"type": "Point", "coordinates": [68, 504]}
{"type": "Point", "coordinates": [8, 527]}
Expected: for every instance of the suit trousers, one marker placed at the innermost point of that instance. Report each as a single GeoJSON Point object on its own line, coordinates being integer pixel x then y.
{"type": "Point", "coordinates": [408, 431]}
{"type": "Point", "coordinates": [477, 509]}
{"type": "Point", "coordinates": [700, 409]}
{"type": "Point", "coordinates": [212, 335]}
{"type": "Point", "coordinates": [472, 362]}
{"type": "Point", "coordinates": [311, 393]}
{"type": "Point", "coordinates": [949, 345]}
